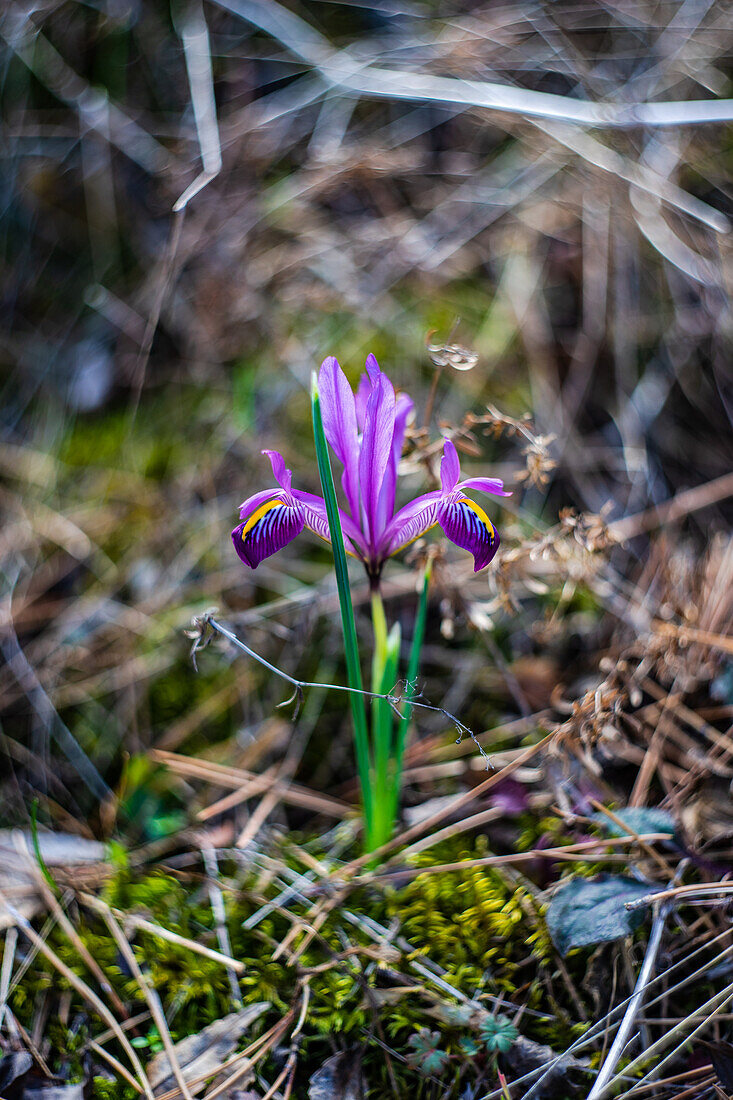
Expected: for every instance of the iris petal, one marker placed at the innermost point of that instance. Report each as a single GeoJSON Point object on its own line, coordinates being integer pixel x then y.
{"type": "Point", "coordinates": [385, 510]}
{"type": "Point", "coordinates": [282, 475]}
{"type": "Point", "coordinates": [450, 467]}
{"type": "Point", "coordinates": [376, 446]}
{"type": "Point", "coordinates": [360, 399]}
{"type": "Point", "coordinates": [467, 525]}
{"type": "Point", "coordinates": [270, 527]}
{"type": "Point", "coordinates": [413, 520]}
{"type": "Point", "coordinates": [251, 504]}
{"type": "Point", "coordinates": [493, 485]}
{"type": "Point", "coordinates": [339, 423]}
{"type": "Point", "coordinates": [316, 520]}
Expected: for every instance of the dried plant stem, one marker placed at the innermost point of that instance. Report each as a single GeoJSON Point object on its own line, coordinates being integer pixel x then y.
{"type": "Point", "coordinates": [633, 1007]}
{"type": "Point", "coordinates": [341, 68]}
{"type": "Point", "coordinates": [218, 908]}
{"type": "Point", "coordinates": [568, 851]}
{"type": "Point", "coordinates": [706, 1012]}
{"type": "Point", "coordinates": [460, 800]}
{"type": "Point", "coordinates": [261, 1046]}
{"type": "Point", "coordinates": [692, 500]}
{"type": "Point", "coordinates": [163, 933]}
{"type": "Point", "coordinates": [83, 989]}
{"type": "Point", "coordinates": [74, 937]}
{"type": "Point", "coordinates": [152, 998]}
{"type": "Point", "coordinates": [11, 942]}
{"type": "Point", "coordinates": [115, 1064]}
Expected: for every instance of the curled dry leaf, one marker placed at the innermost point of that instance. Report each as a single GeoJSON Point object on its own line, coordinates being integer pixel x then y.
{"type": "Point", "coordinates": [589, 911]}
{"type": "Point", "coordinates": [13, 1065]}
{"type": "Point", "coordinates": [339, 1078]}
{"type": "Point", "coordinates": [202, 1055]}
{"type": "Point", "coordinates": [69, 857]}
{"type": "Point", "coordinates": [49, 1091]}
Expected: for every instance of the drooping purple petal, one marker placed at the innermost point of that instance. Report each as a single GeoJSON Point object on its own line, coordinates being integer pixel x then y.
{"type": "Point", "coordinates": [376, 446]}
{"type": "Point", "coordinates": [283, 476]}
{"type": "Point", "coordinates": [493, 485]}
{"type": "Point", "coordinates": [339, 423]}
{"type": "Point", "coordinates": [385, 511]}
{"type": "Point", "coordinates": [413, 520]}
{"type": "Point", "coordinates": [316, 520]}
{"type": "Point", "coordinates": [273, 525]}
{"type": "Point", "coordinates": [450, 467]}
{"type": "Point", "coordinates": [251, 504]}
{"type": "Point", "coordinates": [467, 525]}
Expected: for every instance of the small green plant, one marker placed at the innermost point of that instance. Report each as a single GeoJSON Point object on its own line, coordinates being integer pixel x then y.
{"type": "Point", "coordinates": [150, 1042]}
{"type": "Point", "coordinates": [498, 1034]}
{"type": "Point", "coordinates": [426, 1056]}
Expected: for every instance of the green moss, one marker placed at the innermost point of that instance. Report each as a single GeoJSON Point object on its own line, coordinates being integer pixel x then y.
{"type": "Point", "coordinates": [482, 929]}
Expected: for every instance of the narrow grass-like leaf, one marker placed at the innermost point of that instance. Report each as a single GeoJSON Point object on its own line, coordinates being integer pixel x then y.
{"type": "Point", "coordinates": [37, 847]}
{"type": "Point", "coordinates": [351, 648]}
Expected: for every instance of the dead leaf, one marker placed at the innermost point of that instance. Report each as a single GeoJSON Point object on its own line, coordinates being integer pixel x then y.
{"type": "Point", "coordinates": [63, 853]}
{"type": "Point", "coordinates": [54, 1092]}
{"type": "Point", "coordinates": [721, 1056]}
{"type": "Point", "coordinates": [339, 1078]}
{"type": "Point", "coordinates": [525, 1055]}
{"type": "Point", "coordinates": [14, 1064]}
{"type": "Point", "coordinates": [201, 1055]}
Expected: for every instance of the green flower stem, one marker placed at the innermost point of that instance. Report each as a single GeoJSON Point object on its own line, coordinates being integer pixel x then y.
{"type": "Point", "coordinates": [381, 722]}
{"type": "Point", "coordinates": [384, 674]}
{"type": "Point", "coordinates": [379, 624]}
{"type": "Point", "coordinates": [413, 669]}
{"type": "Point", "coordinates": [387, 808]}
{"type": "Point", "coordinates": [351, 648]}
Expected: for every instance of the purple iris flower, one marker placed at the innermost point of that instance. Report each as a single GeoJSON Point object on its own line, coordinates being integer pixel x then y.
{"type": "Point", "coordinates": [366, 431]}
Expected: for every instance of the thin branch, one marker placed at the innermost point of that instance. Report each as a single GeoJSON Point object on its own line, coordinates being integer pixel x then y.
{"type": "Point", "coordinates": [632, 1009]}
{"type": "Point", "coordinates": [197, 51]}
{"type": "Point", "coordinates": [201, 638]}
{"type": "Point", "coordinates": [341, 68]}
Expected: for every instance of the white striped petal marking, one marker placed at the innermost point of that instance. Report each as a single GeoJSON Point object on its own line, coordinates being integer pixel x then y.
{"type": "Point", "coordinates": [273, 525]}
{"type": "Point", "coordinates": [467, 525]}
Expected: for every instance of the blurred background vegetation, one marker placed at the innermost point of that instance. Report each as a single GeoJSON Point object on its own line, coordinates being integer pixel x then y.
{"type": "Point", "coordinates": [148, 356]}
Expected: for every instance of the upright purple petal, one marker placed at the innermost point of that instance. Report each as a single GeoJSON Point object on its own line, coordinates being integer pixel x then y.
{"type": "Point", "coordinates": [316, 520]}
{"type": "Point", "coordinates": [283, 476]}
{"type": "Point", "coordinates": [363, 391]}
{"type": "Point", "coordinates": [270, 527]}
{"type": "Point", "coordinates": [493, 485]}
{"type": "Point", "coordinates": [373, 368]}
{"type": "Point", "coordinates": [450, 467]}
{"type": "Point", "coordinates": [385, 511]}
{"type": "Point", "coordinates": [339, 423]}
{"type": "Point", "coordinates": [413, 520]}
{"type": "Point", "coordinates": [376, 446]}
{"type": "Point", "coordinates": [468, 526]}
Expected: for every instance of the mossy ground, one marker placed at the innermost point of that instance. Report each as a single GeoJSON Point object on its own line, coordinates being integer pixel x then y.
{"type": "Point", "coordinates": [480, 930]}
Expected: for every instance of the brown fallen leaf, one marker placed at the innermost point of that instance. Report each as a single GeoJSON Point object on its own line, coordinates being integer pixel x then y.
{"type": "Point", "coordinates": [45, 1091]}
{"type": "Point", "coordinates": [339, 1078]}
{"type": "Point", "coordinates": [202, 1055]}
{"type": "Point", "coordinates": [68, 857]}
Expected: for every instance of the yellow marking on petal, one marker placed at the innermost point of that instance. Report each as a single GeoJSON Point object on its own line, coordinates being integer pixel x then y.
{"type": "Point", "coordinates": [259, 513]}
{"type": "Point", "coordinates": [481, 515]}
